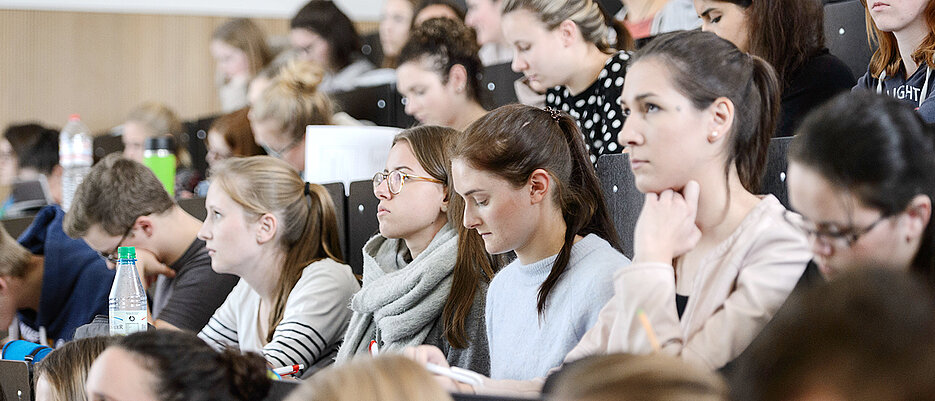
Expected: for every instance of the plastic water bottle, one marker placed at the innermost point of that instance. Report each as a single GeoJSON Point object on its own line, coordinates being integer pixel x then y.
{"type": "Point", "coordinates": [75, 157]}
{"type": "Point", "coordinates": [127, 297]}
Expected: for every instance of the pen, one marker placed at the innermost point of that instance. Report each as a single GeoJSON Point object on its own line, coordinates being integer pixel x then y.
{"type": "Point", "coordinates": [649, 330]}
{"type": "Point", "coordinates": [288, 370]}
{"type": "Point", "coordinates": [455, 373]}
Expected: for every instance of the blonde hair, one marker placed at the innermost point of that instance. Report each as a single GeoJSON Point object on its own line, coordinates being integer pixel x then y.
{"type": "Point", "coordinates": [158, 120]}
{"type": "Point", "coordinates": [636, 377]}
{"type": "Point", "coordinates": [308, 226]}
{"type": "Point", "coordinates": [384, 378]}
{"type": "Point", "coordinates": [245, 35]}
{"type": "Point", "coordinates": [586, 14]}
{"type": "Point", "coordinates": [66, 368]}
{"type": "Point", "coordinates": [293, 100]}
{"type": "Point", "coordinates": [14, 258]}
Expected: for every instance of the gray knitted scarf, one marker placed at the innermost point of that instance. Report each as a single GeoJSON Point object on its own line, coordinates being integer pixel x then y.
{"type": "Point", "coordinates": [399, 303]}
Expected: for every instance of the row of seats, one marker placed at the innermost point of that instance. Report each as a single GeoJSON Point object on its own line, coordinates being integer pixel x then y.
{"type": "Point", "coordinates": [357, 220]}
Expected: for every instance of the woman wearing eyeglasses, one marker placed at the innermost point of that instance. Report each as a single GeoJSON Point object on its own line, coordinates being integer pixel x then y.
{"type": "Point", "coordinates": [425, 275]}
{"type": "Point", "coordinates": [867, 204]}
{"type": "Point", "coordinates": [286, 107]}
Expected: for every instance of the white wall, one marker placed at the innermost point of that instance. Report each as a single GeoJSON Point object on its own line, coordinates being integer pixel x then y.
{"type": "Point", "coordinates": [358, 10]}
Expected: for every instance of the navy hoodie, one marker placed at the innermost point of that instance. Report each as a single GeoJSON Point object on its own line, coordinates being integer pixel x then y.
{"type": "Point", "coordinates": [75, 283]}
{"type": "Point", "coordinates": [917, 90]}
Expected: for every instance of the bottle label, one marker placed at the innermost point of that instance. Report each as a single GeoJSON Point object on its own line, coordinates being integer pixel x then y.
{"type": "Point", "coordinates": [127, 322]}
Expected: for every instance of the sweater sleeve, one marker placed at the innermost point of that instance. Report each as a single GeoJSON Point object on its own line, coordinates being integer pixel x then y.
{"type": "Point", "coordinates": [314, 320]}
{"type": "Point", "coordinates": [221, 330]}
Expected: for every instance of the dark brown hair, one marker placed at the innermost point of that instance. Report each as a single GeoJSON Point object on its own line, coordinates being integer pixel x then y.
{"type": "Point", "coordinates": [325, 19]}
{"type": "Point", "coordinates": [237, 134]}
{"type": "Point", "coordinates": [431, 147]}
{"type": "Point", "coordinates": [444, 43]}
{"type": "Point", "coordinates": [114, 194]}
{"type": "Point", "coordinates": [785, 33]}
{"type": "Point", "coordinates": [308, 225]}
{"type": "Point", "coordinates": [722, 70]}
{"type": "Point", "coordinates": [35, 146]}
{"type": "Point", "coordinates": [878, 149]}
{"type": "Point", "coordinates": [515, 140]}
{"type": "Point", "coordinates": [186, 368]}
{"type": "Point", "coordinates": [866, 335]}
{"type": "Point", "coordinates": [887, 57]}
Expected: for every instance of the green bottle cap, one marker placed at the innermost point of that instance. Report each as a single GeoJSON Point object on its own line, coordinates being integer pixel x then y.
{"type": "Point", "coordinates": [126, 252]}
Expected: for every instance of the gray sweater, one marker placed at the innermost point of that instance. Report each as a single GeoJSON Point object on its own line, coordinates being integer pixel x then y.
{"type": "Point", "coordinates": [525, 345]}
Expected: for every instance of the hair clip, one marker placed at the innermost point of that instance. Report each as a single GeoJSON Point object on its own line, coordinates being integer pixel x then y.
{"type": "Point", "coordinates": [556, 114]}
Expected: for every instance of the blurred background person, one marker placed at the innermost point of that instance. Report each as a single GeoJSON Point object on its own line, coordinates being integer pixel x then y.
{"type": "Point", "coordinates": [240, 51]}
{"type": "Point", "coordinates": [322, 34]}
{"type": "Point", "coordinates": [229, 136]}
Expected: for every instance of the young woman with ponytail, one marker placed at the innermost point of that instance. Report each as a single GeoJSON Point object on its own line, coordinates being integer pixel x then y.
{"type": "Point", "coordinates": [279, 235]}
{"type": "Point", "coordinates": [425, 275]}
{"type": "Point", "coordinates": [169, 365]}
{"type": "Point", "coordinates": [712, 262]}
{"type": "Point", "coordinates": [561, 47]}
{"type": "Point", "coordinates": [528, 187]}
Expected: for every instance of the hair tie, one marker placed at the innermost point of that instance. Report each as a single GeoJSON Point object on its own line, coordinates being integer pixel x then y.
{"type": "Point", "coordinates": [308, 190]}
{"type": "Point", "coordinates": [556, 114]}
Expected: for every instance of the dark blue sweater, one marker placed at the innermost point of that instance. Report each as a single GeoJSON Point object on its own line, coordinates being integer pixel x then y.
{"type": "Point", "coordinates": [75, 283]}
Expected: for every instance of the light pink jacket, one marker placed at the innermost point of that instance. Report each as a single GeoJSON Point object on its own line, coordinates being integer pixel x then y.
{"type": "Point", "coordinates": [739, 287]}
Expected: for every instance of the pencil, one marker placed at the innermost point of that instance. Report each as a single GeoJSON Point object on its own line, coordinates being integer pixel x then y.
{"type": "Point", "coordinates": [649, 330]}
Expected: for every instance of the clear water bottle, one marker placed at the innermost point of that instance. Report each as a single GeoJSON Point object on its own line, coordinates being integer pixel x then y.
{"type": "Point", "coordinates": [75, 156]}
{"type": "Point", "coordinates": [127, 298]}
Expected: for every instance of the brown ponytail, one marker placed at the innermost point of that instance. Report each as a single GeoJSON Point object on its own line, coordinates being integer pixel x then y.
{"type": "Point", "coordinates": [723, 71]}
{"type": "Point", "coordinates": [515, 140]}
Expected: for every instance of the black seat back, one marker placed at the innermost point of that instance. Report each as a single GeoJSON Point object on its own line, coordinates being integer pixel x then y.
{"type": "Point", "coordinates": [623, 199]}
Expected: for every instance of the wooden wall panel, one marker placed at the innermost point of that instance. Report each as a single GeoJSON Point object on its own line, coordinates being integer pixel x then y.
{"type": "Point", "coordinates": [102, 65]}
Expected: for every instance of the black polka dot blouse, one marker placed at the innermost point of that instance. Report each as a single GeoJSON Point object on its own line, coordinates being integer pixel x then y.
{"type": "Point", "coordinates": [597, 109]}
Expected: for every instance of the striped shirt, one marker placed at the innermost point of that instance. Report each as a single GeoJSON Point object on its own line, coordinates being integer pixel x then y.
{"type": "Point", "coordinates": [313, 323]}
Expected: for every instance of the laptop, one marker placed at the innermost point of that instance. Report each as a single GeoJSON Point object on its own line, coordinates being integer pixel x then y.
{"type": "Point", "coordinates": [14, 381]}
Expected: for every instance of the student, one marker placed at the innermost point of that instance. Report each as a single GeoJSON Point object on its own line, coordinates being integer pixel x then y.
{"type": "Point", "coordinates": [628, 377]}
{"type": "Point", "coordinates": [385, 378]}
{"type": "Point", "coordinates": [484, 17]}
{"type": "Point", "coordinates": [51, 283]}
{"type": "Point", "coordinates": [561, 48]}
{"type": "Point", "coordinates": [322, 34]}
{"type": "Point", "coordinates": [420, 286]}
{"type": "Point", "coordinates": [867, 204]}
{"type": "Point", "coordinates": [395, 24]}
{"type": "Point", "coordinates": [29, 152]}
{"type": "Point", "coordinates": [280, 236]}
{"type": "Point", "coordinates": [153, 119]}
{"type": "Point", "coordinates": [240, 52]}
{"type": "Point", "coordinates": [429, 9]}
{"type": "Point", "coordinates": [230, 135]}
{"type": "Point", "coordinates": [437, 74]}
{"type": "Point", "coordinates": [61, 375]}
{"type": "Point", "coordinates": [712, 262]}
{"type": "Point", "coordinates": [291, 102]}
{"type": "Point", "coordinates": [535, 194]}
{"type": "Point", "coordinates": [165, 365]}
{"type": "Point", "coordinates": [902, 64]}
{"type": "Point", "coordinates": [866, 335]}
{"type": "Point", "coordinates": [789, 34]}
{"type": "Point", "coordinates": [122, 203]}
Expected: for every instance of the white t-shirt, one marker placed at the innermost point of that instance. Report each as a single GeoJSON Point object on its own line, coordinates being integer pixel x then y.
{"type": "Point", "coordinates": [312, 326]}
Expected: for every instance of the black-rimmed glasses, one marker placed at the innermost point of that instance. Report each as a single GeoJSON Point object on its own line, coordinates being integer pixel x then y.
{"type": "Point", "coordinates": [840, 238]}
{"type": "Point", "coordinates": [112, 256]}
